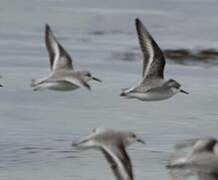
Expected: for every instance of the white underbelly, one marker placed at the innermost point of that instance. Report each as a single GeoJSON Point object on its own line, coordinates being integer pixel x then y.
{"type": "Point", "coordinates": [149, 96]}
{"type": "Point", "coordinates": [56, 86]}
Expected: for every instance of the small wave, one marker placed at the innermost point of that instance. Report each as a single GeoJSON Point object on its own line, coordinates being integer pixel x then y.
{"type": "Point", "coordinates": [64, 151]}
{"type": "Point", "coordinates": [109, 32]}
{"type": "Point", "coordinates": [29, 148]}
{"type": "Point", "coordinates": [70, 157]}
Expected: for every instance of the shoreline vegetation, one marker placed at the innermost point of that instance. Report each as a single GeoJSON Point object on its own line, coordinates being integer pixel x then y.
{"type": "Point", "coordinates": [180, 56]}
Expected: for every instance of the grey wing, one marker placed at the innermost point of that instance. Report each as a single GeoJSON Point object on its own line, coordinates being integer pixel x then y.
{"type": "Point", "coordinates": [202, 165]}
{"type": "Point", "coordinates": [113, 165]}
{"type": "Point", "coordinates": [198, 145]}
{"type": "Point", "coordinates": [154, 61]}
{"type": "Point", "coordinates": [58, 56]}
{"type": "Point", "coordinates": [186, 143]}
{"type": "Point", "coordinates": [119, 161]}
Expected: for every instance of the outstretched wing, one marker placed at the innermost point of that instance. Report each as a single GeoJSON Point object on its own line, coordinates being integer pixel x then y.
{"type": "Point", "coordinates": [204, 166]}
{"type": "Point", "coordinates": [119, 161]}
{"type": "Point", "coordinates": [198, 145]}
{"type": "Point", "coordinates": [186, 143]}
{"type": "Point", "coordinates": [202, 160]}
{"type": "Point", "coordinates": [58, 56]}
{"type": "Point", "coordinates": [154, 61]}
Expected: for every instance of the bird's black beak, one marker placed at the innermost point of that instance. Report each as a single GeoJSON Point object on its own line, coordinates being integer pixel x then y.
{"type": "Point", "coordinates": [183, 91]}
{"type": "Point", "coordinates": [1, 85]}
{"type": "Point", "coordinates": [140, 141]}
{"type": "Point", "coordinates": [96, 79]}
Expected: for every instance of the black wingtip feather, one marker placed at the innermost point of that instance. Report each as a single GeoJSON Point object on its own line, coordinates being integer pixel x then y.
{"type": "Point", "coordinates": [47, 28]}
{"type": "Point", "coordinates": [139, 25]}
{"type": "Point", "coordinates": [137, 21]}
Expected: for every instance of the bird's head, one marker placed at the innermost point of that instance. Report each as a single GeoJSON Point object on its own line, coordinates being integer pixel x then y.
{"type": "Point", "coordinates": [132, 138]}
{"type": "Point", "coordinates": [175, 86]}
{"type": "Point", "coordinates": [88, 76]}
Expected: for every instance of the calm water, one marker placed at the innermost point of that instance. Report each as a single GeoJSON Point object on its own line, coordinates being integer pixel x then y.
{"type": "Point", "coordinates": [37, 128]}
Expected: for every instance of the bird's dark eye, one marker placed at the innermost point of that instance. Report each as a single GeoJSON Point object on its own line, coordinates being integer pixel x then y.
{"type": "Point", "coordinates": [133, 135]}
{"type": "Point", "coordinates": [88, 74]}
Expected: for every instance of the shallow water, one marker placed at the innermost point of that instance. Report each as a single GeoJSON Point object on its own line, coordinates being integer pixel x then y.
{"type": "Point", "coordinates": [38, 128]}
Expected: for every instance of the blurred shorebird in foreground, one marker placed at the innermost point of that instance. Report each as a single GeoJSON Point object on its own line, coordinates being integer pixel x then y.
{"type": "Point", "coordinates": [202, 161]}
{"type": "Point", "coordinates": [153, 87]}
{"type": "Point", "coordinates": [113, 145]}
{"type": "Point", "coordinates": [63, 77]}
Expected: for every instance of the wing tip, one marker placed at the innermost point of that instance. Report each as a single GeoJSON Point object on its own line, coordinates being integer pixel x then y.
{"type": "Point", "coordinates": [47, 28]}
{"type": "Point", "coordinates": [140, 26]}
{"type": "Point", "coordinates": [137, 21]}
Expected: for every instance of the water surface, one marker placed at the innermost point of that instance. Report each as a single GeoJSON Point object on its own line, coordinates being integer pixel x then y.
{"type": "Point", "coordinates": [38, 128]}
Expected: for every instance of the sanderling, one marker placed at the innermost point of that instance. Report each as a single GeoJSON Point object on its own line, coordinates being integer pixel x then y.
{"type": "Point", "coordinates": [202, 161]}
{"type": "Point", "coordinates": [112, 144]}
{"type": "Point", "coordinates": [63, 77]}
{"type": "Point", "coordinates": [153, 86]}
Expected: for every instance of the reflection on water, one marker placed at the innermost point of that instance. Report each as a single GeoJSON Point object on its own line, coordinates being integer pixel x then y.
{"type": "Point", "coordinates": [38, 128]}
